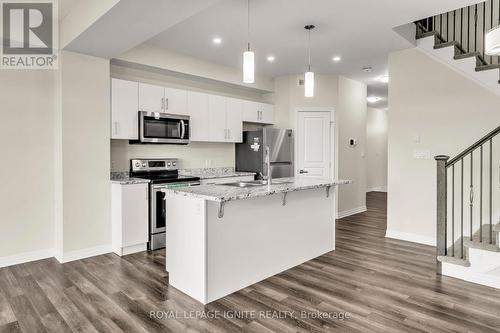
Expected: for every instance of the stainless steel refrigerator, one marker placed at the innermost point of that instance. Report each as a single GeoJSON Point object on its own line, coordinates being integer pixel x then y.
{"type": "Point", "coordinates": [250, 154]}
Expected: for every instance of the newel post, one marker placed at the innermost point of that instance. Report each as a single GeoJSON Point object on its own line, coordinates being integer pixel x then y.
{"type": "Point", "coordinates": [441, 208]}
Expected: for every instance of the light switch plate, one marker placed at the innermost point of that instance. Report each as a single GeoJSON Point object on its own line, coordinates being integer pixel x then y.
{"type": "Point", "coordinates": [422, 154]}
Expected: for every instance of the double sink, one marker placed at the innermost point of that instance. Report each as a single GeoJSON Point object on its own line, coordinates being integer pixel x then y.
{"type": "Point", "coordinates": [256, 183]}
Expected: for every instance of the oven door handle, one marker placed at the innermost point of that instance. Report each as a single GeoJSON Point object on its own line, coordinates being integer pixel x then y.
{"type": "Point", "coordinates": [183, 129]}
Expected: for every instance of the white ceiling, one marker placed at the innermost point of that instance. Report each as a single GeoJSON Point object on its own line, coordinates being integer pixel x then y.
{"type": "Point", "coordinates": [360, 31]}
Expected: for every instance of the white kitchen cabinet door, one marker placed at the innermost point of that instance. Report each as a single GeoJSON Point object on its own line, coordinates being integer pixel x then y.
{"type": "Point", "coordinates": [266, 113]}
{"type": "Point", "coordinates": [198, 111]}
{"type": "Point", "coordinates": [124, 109]}
{"type": "Point", "coordinates": [176, 101]}
{"type": "Point", "coordinates": [251, 112]}
{"type": "Point", "coordinates": [217, 120]}
{"type": "Point", "coordinates": [134, 214]}
{"type": "Point", "coordinates": [234, 119]}
{"type": "Point", "coordinates": [151, 97]}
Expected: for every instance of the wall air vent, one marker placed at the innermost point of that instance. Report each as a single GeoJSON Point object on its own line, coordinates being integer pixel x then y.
{"type": "Point", "coordinates": [300, 82]}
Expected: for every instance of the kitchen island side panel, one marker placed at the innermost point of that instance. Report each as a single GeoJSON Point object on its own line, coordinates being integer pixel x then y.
{"type": "Point", "coordinates": [259, 237]}
{"type": "Point", "coordinates": [186, 245]}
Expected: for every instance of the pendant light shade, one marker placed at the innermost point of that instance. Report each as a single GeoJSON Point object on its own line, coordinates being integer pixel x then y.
{"type": "Point", "coordinates": [248, 67]}
{"type": "Point", "coordinates": [248, 56]}
{"type": "Point", "coordinates": [309, 84]}
{"type": "Point", "coordinates": [492, 42]}
{"type": "Point", "coordinates": [309, 75]}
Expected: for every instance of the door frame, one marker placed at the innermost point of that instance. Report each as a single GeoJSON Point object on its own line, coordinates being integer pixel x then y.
{"type": "Point", "coordinates": [333, 143]}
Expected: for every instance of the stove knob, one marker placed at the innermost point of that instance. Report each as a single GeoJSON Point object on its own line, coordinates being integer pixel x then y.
{"type": "Point", "coordinates": [174, 164]}
{"type": "Point", "coordinates": [143, 165]}
{"type": "Point", "coordinates": [137, 164]}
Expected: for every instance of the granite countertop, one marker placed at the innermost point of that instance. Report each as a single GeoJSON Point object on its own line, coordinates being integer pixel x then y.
{"type": "Point", "coordinates": [124, 179]}
{"type": "Point", "coordinates": [212, 173]}
{"type": "Point", "coordinates": [223, 193]}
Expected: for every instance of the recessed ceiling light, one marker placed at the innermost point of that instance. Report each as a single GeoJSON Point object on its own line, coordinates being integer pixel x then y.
{"type": "Point", "coordinates": [217, 40]}
{"type": "Point", "coordinates": [373, 99]}
{"type": "Point", "coordinates": [271, 58]}
{"type": "Point", "coordinates": [337, 58]}
{"type": "Point", "coordinates": [384, 79]}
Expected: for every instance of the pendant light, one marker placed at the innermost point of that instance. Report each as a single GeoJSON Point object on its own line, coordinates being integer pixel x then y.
{"type": "Point", "coordinates": [309, 75]}
{"type": "Point", "coordinates": [492, 42]}
{"type": "Point", "coordinates": [248, 56]}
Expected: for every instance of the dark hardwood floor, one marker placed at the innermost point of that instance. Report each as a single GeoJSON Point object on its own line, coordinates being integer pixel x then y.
{"type": "Point", "coordinates": [378, 284]}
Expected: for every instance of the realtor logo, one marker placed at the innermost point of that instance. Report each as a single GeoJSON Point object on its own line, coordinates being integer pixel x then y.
{"type": "Point", "coordinates": [29, 34]}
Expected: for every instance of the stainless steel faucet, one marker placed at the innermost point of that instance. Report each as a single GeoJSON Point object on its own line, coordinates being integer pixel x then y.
{"type": "Point", "coordinates": [268, 162]}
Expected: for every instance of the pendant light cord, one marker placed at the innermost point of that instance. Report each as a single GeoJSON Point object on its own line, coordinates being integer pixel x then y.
{"type": "Point", "coordinates": [309, 50]}
{"type": "Point", "coordinates": [248, 24]}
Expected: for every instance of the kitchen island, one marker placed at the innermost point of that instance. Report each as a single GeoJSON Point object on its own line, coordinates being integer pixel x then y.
{"type": "Point", "coordinates": [222, 238]}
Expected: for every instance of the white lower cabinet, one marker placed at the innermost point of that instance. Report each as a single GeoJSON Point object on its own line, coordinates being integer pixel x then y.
{"type": "Point", "coordinates": [129, 216]}
{"type": "Point", "coordinates": [226, 180]}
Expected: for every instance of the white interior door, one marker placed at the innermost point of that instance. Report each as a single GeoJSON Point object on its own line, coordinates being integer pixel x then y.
{"type": "Point", "coordinates": [313, 144]}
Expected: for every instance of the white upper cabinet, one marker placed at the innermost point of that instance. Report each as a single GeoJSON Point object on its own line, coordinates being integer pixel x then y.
{"type": "Point", "coordinates": [258, 112]}
{"type": "Point", "coordinates": [176, 101]}
{"type": "Point", "coordinates": [214, 118]}
{"type": "Point", "coordinates": [234, 119]}
{"type": "Point", "coordinates": [124, 108]}
{"type": "Point", "coordinates": [267, 113]}
{"type": "Point", "coordinates": [151, 98]}
{"type": "Point", "coordinates": [217, 120]}
{"type": "Point", "coordinates": [199, 117]}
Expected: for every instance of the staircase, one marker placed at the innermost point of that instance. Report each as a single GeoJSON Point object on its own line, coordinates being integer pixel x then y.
{"type": "Point", "coordinates": [468, 213]}
{"type": "Point", "coordinates": [456, 39]}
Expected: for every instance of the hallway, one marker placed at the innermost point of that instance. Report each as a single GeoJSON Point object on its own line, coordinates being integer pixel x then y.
{"type": "Point", "coordinates": [385, 285]}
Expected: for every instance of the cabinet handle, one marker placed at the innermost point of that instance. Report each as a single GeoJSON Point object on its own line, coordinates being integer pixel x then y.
{"type": "Point", "coordinates": [166, 104]}
{"type": "Point", "coordinates": [162, 104]}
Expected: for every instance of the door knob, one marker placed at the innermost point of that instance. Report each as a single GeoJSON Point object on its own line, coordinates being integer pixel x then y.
{"type": "Point", "coordinates": [303, 171]}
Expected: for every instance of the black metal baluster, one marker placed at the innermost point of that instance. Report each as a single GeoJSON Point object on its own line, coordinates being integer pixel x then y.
{"type": "Point", "coordinates": [491, 24]}
{"type": "Point", "coordinates": [481, 197]}
{"type": "Point", "coordinates": [454, 24]}
{"type": "Point", "coordinates": [453, 210]}
{"type": "Point", "coordinates": [471, 194]}
{"type": "Point", "coordinates": [484, 29]}
{"type": "Point", "coordinates": [440, 24]}
{"type": "Point", "coordinates": [491, 191]}
{"type": "Point", "coordinates": [475, 29]}
{"type": "Point", "coordinates": [462, 210]}
{"type": "Point", "coordinates": [448, 26]}
{"type": "Point", "coordinates": [468, 29]}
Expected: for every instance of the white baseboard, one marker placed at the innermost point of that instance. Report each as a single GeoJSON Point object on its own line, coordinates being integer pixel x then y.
{"type": "Point", "coordinates": [414, 238]}
{"type": "Point", "coordinates": [377, 189]}
{"type": "Point", "coordinates": [84, 253]}
{"type": "Point", "coordinates": [349, 212]}
{"type": "Point", "coordinates": [26, 257]}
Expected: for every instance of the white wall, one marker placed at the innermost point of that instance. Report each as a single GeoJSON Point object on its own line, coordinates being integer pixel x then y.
{"type": "Point", "coordinates": [85, 105]}
{"type": "Point", "coordinates": [376, 150]}
{"type": "Point", "coordinates": [431, 108]}
{"type": "Point", "coordinates": [26, 148]}
{"type": "Point", "coordinates": [351, 123]}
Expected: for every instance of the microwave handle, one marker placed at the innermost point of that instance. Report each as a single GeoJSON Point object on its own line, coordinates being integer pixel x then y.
{"type": "Point", "coordinates": [183, 129]}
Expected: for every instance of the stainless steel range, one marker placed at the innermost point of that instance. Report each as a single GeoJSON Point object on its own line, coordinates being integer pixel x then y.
{"type": "Point", "coordinates": [163, 173]}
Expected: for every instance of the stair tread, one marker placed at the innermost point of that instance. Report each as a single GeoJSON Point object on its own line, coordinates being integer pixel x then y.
{"type": "Point", "coordinates": [454, 260]}
{"type": "Point", "coordinates": [484, 245]}
{"type": "Point", "coordinates": [466, 55]}
{"type": "Point", "coordinates": [487, 67]}
{"type": "Point", "coordinates": [446, 44]}
{"type": "Point", "coordinates": [427, 34]}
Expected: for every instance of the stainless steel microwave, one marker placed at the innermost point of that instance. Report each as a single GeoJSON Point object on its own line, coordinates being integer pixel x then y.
{"type": "Point", "coordinates": [158, 127]}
